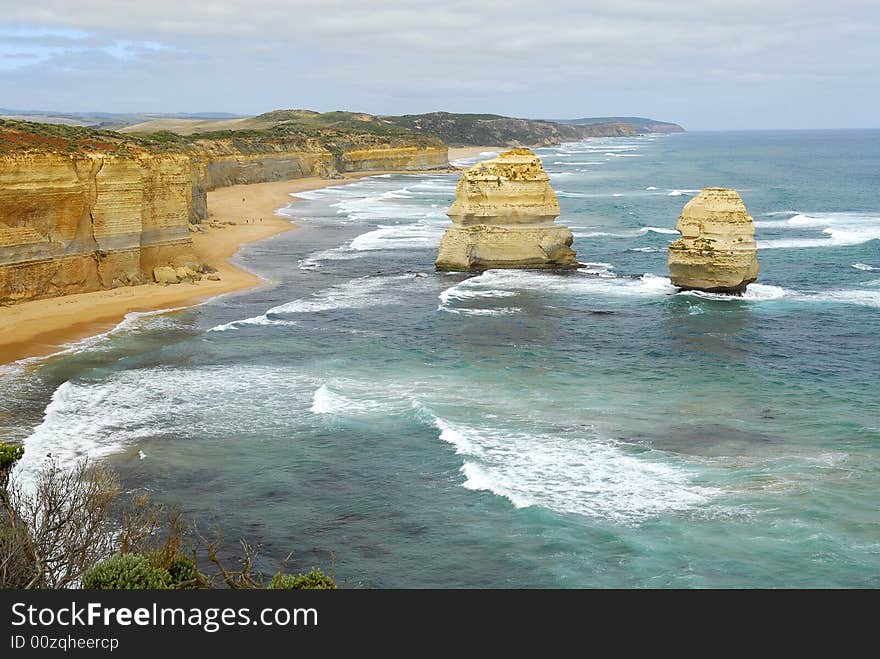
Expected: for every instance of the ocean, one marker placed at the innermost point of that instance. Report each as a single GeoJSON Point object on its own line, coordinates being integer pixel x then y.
{"type": "Point", "coordinates": [593, 428]}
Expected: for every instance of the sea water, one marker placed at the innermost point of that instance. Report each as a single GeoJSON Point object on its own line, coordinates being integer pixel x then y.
{"type": "Point", "coordinates": [594, 428]}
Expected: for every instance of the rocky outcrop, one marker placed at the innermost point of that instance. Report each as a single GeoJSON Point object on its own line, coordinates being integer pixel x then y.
{"type": "Point", "coordinates": [503, 217]}
{"type": "Point", "coordinates": [84, 210]}
{"type": "Point", "coordinates": [717, 250]}
{"type": "Point", "coordinates": [83, 222]}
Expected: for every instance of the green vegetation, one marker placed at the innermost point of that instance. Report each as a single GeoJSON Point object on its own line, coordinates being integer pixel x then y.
{"type": "Point", "coordinates": [288, 129]}
{"type": "Point", "coordinates": [9, 455]}
{"type": "Point", "coordinates": [70, 529]}
{"type": "Point", "coordinates": [312, 580]}
{"type": "Point", "coordinates": [141, 572]}
{"type": "Point", "coordinates": [335, 131]}
{"type": "Point", "coordinates": [492, 129]}
{"type": "Point", "coordinates": [126, 572]}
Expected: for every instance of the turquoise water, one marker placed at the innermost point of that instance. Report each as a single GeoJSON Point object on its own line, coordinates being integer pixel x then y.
{"type": "Point", "coordinates": [527, 429]}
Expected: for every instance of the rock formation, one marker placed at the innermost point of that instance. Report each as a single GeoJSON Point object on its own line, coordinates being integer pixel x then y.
{"type": "Point", "coordinates": [84, 210]}
{"type": "Point", "coordinates": [503, 217]}
{"type": "Point", "coordinates": [83, 222]}
{"type": "Point", "coordinates": [717, 250]}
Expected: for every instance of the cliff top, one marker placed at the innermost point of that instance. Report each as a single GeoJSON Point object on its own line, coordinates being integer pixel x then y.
{"type": "Point", "coordinates": [514, 165]}
{"type": "Point", "coordinates": [281, 131]}
{"type": "Point", "coordinates": [22, 136]}
{"type": "Point", "coordinates": [454, 129]}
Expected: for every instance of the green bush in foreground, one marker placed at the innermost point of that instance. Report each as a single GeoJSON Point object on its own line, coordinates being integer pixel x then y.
{"type": "Point", "coordinates": [126, 572]}
{"type": "Point", "coordinates": [9, 455]}
{"type": "Point", "coordinates": [184, 574]}
{"type": "Point", "coordinates": [313, 580]}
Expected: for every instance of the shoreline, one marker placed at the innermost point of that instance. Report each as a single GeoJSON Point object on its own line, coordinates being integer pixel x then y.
{"type": "Point", "coordinates": [41, 328]}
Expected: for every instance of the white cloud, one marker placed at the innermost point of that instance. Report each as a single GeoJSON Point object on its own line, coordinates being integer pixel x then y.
{"type": "Point", "coordinates": [551, 58]}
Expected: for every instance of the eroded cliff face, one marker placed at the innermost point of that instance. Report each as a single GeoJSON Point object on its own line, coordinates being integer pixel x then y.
{"type": "Point", "coordinates": [717, 251]}
{"type": "Point", "coordinates": [83, 222]}
{"type": "Point", "coordinates": [401, 158]}
{"type": "Point", "coordinates": [227, 166]}
{"type": "Point", "coordinates": [104, 210]}
{"type": "Point", "coordinates": [503, 217]}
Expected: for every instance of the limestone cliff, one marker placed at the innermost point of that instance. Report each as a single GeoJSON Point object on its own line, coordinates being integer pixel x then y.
{"type": "Point", "coordinates": [717, 250]}
{"type": "Point", "coordinates": [503, 217]}
{"type": "Point", "coordinates": [87, 221]}
{"type": "Point", "coordinates": [83, 210]}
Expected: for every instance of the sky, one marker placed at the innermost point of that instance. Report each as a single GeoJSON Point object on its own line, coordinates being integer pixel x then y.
{"type": "Point", "coordinates": [706, 64]}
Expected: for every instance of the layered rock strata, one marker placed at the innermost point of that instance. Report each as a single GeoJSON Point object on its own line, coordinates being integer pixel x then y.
{"type": "Point", "coordinates": [106, 211]}
{"type": "Point", "coordinates": [717, 251]}
{"type": "Point", "coordinates": [75, 223]}
{"type": "Point", "coordinates": [503, 217]}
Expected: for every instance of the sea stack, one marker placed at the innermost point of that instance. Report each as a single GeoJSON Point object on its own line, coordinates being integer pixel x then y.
{"type": "Point", "coordinates": [717, 251]}
{"type": "Point", "coordinates": [503, 217]}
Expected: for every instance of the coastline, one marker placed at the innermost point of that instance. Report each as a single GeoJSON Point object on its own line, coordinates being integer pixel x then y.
{"type": "Point", "coordinates": [43, 327]}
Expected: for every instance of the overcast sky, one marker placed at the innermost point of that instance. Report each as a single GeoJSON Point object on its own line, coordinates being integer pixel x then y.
{"type": "Point", "coordinates": [706, 64]}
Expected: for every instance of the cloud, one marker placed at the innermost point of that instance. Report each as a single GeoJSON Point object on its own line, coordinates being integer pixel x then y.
{"type": "Point", "coordinates": [680, 59]}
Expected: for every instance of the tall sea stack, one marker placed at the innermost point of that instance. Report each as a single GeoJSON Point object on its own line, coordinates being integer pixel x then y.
{"type": "Point", "coordinates": [717, 250]}
{"type": "Point", "coordinates": [503, 217]}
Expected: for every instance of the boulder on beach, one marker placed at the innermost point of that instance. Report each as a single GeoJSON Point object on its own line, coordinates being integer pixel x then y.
{"type": "Point", "coordinates": [165, 274]}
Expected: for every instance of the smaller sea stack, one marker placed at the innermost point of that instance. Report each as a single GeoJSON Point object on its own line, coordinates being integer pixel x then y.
{"type": "Point", "coordinates": [503, 217]}
{"type": "Point", "coordinates": [717, 252]}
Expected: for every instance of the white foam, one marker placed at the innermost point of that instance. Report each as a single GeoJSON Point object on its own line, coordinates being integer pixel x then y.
{"type": "Point", "coordinates": [133, 321]}
{"type": "Point", "coordinates": [776, 213]}
{"type": "Point", "coordinates": [578, 473]}
{"type": "Point", "coordinates": [679, 193]}
{"type": "Point", "coordinates": [651, 187]}
{"type": "Point", "coordinates": [753, 293]}
{"type": "Point", "coordinates": [473, 160]}
{"type": "Point", "coordinates": [258, 321]}
{"type": "Point", "coordinates": [325, 401]}
{"type": "Point", "coordinates": [355, 294]}
{"type": "Point", "coordinates": [401, 236]}
{"type": "Point", "coordinates": [865, 267]}
{"type": "Point", "coordinates": [462, 293]}
{"type": "Point", "coordinates": [769, 292]}
{"type": "Point", "coordinates": [840, 229]}
{"type": "Point", "coordinates": [502, 311]}
{"type": "Point", "coordinates": [598, 269]}
{"type": "Point", "coordinates": [857, 297]}
{"type": "Point", "coordinates": [89, 419]}
{"type": "Point", "coordinates": [601, 282]}
{"type": "Point", "coordinates": [627, 234]}
{"type": "Point", "coordinates": [643, 249]}
{"type": "Point", "coordinates": [314, 260]}
{"type": "Point", "coordinates": [82, 421]}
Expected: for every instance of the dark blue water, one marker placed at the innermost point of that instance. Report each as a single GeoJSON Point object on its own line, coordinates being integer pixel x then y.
{"type": "Point", "coordinates": [594, 428]}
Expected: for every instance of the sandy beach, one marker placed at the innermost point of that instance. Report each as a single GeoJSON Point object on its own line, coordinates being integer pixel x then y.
{"type": "Point", "coordinates": [43, 327]}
